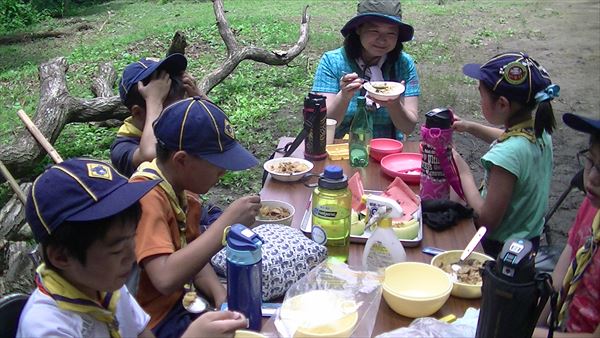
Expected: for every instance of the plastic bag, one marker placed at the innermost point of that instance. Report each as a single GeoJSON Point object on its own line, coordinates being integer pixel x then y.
{"type": "Point", "coordinates": [333, 300]}
{"type": "Point", "coordinates": [434, 328]}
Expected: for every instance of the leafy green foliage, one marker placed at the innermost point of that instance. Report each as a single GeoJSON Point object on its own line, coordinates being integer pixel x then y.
{"type": "Point", "coordinates": [17, 14]}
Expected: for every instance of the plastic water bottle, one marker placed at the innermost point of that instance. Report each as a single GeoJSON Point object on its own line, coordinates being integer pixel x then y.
{"type": "Point", "coordinates": [331, 208]}
{"type": "Point", "coordinates": [361, 132]}
{"type": "Point", "coordinates": [244, 273]}
{"type": "Point", "coordinates": [436, 137]}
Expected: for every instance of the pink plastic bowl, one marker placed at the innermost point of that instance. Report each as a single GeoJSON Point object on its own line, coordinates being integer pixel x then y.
{"type": "Point", "coordinates": [381, 147]}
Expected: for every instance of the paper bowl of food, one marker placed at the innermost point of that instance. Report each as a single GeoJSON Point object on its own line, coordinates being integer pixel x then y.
{"type": "Point", "coordinates": [275, 212]}
{"type": "Point", "coordinates": [380, 147]}
{"type": "Point", "coordinates": [468, 283]}
{"type": "Point", "coordinates": [415, 289]}
{"type": "Point", "coordinates": [288, 169]}
{"type": "Point", "coordinates": [384, 90]}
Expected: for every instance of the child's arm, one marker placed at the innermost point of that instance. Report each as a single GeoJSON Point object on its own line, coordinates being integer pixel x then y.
{"type": "Point", "coordinates": [208, 283]}
{"type": "Point", "coordinates": [484, 133]}
{"type": "Point", "coordinates": [154, 93]}
{"type": "Point", "coordinates": [169, 272]}
{"type": "Point", "coordinates": [490, 210]}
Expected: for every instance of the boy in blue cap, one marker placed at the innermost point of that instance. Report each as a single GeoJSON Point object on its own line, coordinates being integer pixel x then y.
{"type": "Point", "coordinates": [515, 92]}
{"type": "Point", "coordinates": [146, 87]}
{"type": "Point", "coordinates": [195, 146]}
{"type": "Point", "coordinates": [84, 214]}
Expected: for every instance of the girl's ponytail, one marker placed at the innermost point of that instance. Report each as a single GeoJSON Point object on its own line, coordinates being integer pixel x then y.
{"type": "Point", "coordinates": [544, 119]}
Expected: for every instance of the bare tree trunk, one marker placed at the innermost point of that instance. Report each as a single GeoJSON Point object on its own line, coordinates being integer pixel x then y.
{"type": "Point", "coordinates": [57, 107]}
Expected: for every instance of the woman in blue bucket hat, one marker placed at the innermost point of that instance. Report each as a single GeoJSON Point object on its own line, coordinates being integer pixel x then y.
{"type": "Point", "coordinates": [373, 51]}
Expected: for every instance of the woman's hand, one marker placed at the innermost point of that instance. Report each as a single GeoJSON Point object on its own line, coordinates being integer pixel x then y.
{"type": "Point", "coordinates": [349, 84]}
{"type": "Point", "coordinates": [216, 324]}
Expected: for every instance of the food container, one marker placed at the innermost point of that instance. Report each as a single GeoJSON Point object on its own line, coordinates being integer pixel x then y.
{"type": "Point", "coordinates": [338, 151]}
{"type": "Point", "coordinates": [459, 289]}
{"type": "Point", "coordinates": [288, 169]}
{"type": "Point", "coordinates": [384, 90]}
{"type": "Point", "coordinates": [380, 147]}
{"type": "Point", "coordinates": [271, 209]}
{"type": "Point", "coordinates": [320, 314]}
{"type": "Point", "coordinates": [415, 289]}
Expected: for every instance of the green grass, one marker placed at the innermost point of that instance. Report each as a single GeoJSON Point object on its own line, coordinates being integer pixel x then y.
{"type": "Point", "coordinates": [264, 102]}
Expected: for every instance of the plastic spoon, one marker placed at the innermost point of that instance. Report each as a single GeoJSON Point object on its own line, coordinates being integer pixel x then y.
{"type": "Point", "coordinates": [467, 251]}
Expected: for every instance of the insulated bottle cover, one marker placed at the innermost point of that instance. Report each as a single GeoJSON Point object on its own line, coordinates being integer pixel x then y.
{"type": "Point", "coordinates": [438, 170]}
{"type": "Point", "coordinates": [315, 118]}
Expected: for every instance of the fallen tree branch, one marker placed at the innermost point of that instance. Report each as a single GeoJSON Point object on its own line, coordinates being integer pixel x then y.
{"type": "Point", "coordinates": [26, 37]}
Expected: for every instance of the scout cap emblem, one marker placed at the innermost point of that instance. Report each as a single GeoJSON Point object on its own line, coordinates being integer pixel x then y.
{"type": "Point", "coordinates": [514, 73]}
{"type": "Point", "coordinates": [99, 171]}
{"type": "Point", "coordinates": [228, 129]}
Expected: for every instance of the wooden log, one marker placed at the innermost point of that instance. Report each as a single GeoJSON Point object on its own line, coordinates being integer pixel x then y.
{"type": "Point", "coordinates": [39, 137]}
{"type": "Point", "coordinates": [12, 217]}
{"type": "Point", "coordinates": [13, 183]}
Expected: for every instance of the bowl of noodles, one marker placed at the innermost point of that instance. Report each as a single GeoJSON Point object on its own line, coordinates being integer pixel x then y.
{"type": "Point", "coordinates": [468, 279]}
{"type": "Point", "coordinates": [384, 90]}
{"type": "Point", "coordinates": [288, 169]}
{"type": "Point", "coordinates": [274, 212]}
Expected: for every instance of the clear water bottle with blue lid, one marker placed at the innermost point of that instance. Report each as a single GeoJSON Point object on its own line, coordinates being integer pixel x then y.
{"type": "Point", "coordinates": [244, 273]}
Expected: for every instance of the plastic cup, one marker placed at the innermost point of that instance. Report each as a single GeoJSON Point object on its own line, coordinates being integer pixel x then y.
{"type": "Point", "coordinates": [331, 123]}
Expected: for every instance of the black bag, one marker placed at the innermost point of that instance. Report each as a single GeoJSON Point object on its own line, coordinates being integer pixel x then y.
{"type": "Point", "coordinates": [443, 214]}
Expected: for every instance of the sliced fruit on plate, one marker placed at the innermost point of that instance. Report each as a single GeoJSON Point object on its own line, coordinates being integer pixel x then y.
{"type": "Point", "coordinates": [406, 229]}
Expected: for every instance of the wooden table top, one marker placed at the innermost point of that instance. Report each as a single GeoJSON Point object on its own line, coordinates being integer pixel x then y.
{"type": "Point", "coordinates": [456, 237]}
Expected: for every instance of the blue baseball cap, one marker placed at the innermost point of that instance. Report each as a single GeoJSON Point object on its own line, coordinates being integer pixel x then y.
{"type": "Point", "coordinates": [202, 129]}
{"type": "Point", "coordinates": [584, 124]}
{"type": "Point", "coordinates": [79, 190]}
{"type": "Point", "coordinates": [515, 76]}
{"type": "Point", "coordinates": [142, 69]}
{"type": "Point", "coordinates": [389, 11]}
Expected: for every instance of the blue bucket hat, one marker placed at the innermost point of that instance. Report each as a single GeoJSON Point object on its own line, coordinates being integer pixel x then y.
{"type": "Point", "coordinates": [79, 190]}
{"type": "Point", "coordinates": [388, 11]}
{"type": "Point", "coordinates": [144, 68]}
{"type": "Point", "coordinates": [515, 76]}
{"type": "Point", "coordinates": [202, 129]}
{"type": "Point", "coordinates": [584, 124]}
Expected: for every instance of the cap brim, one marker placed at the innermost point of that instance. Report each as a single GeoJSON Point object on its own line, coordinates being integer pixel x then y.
{"type": "Point", "coordinates": [173, 64]}
{"type": "Point", "coordinates": [472, 70]}
{"type": "Point", "coordinates": [118, 200]}
{"type": "Point", "coordinates": [580, 123]}
{"type": "Point", "coordinates": [236, 158]}
{"type": "Point", "coordinates": [406, 31]}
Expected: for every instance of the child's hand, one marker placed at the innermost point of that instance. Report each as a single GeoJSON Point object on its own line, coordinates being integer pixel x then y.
{"type": "Point", "coordinates": [216, 324]}
{"type": "Point", "coordinates": [156, 91]}
{"type": "Point", "coordinates": [461, 164]}
{"type": "Point", "coordinates": [244, 210]}
{"type": "Point", "coordinates": [459, 124]}
{"type": "Point", "coordinates": [190, 86]}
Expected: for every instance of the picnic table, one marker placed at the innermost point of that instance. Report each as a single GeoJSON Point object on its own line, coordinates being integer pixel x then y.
{"type": "Point", "coordinates": [373, 178]}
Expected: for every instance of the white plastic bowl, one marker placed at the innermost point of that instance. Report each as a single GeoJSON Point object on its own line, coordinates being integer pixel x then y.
{"type": "Point", "coordinates": [392, 91]}
{"type": "Point", "coordinates": [272, 164]}
{"type": "Point", "coordinates": [275, 204]}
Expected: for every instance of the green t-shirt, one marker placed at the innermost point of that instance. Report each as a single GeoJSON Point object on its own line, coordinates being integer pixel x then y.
{"type": "Point", "coordinates": [531, 163]}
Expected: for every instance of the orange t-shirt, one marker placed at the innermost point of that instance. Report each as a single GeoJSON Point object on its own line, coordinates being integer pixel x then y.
{"type": "Point", "coordinates": [158, 234]}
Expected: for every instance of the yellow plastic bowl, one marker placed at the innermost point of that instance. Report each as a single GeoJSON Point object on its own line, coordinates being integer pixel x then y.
{"type": "Point", "coordinates": [248, 334]}
{"type": "Point", "coordinates": [462, 290]}
{"type": "Point", "coordinates": [416, 289]}
{"type": "Point", "coordinates": [311, 310]}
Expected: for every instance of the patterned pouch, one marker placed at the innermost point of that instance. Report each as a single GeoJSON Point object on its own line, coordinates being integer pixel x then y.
{"type": "Point", "coordinates": [287, 256]}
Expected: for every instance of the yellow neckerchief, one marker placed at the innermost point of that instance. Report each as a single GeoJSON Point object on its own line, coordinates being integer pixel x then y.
{"type": "Point", "coordinates": [524, 129]}
{"type": "Point", "coordinates": [69, 298]}
{"type": "Point", "coordinates": [577, 268]}
{"type": "Point", "coordinates": [128, 129]}
{"type": "Point", "coordinates": [150, 171]}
